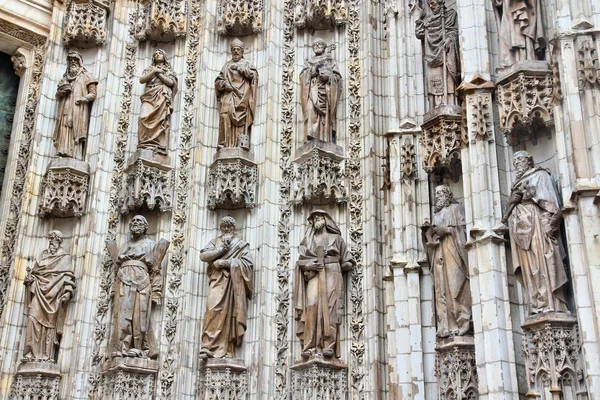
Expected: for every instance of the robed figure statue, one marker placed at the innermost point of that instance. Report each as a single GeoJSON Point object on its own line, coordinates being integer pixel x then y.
{"type": "Point", "coordinates": [230, 269]}
{"type": "Point", "coordinates": [50, 284]}
{"type": "Point", "coordinates": [318, 286]}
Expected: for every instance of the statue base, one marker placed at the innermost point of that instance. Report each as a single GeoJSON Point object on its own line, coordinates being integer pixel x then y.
{"type": "Point", "coordinates": [64, 188]}
{"type": "Point", "coordinates": [232, 179]}
{"type": "Point", "coordinates": [552, 353]}
{"type": "Point", "coordinates": [223, 378]}
{"type": "Point", "coordinates": [319, 378]}
{"type": "Point", "coordinates": [148, 182]}
{"type": "Point", "coordinates": [525, 94]}
{"type": "Point", "coordinates": [36, 379]}
{"type": "Point", "coordinates": [128, 378]}
{"type": "Point", "coordinates": [319, 174]}
{"type": "Point", "coordinates": [455, 368]}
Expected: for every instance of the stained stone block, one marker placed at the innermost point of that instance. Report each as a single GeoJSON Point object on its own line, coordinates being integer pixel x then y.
{"type": "Point", "coordinates": [85, 23]}
{"type": "Point", "coordinates": [148, 182]}
{"type": "Point", "coordinates": [232, 179]}
{"type": "Point", "coordinates": [455, 368]}
{"type": "Point", "coordinates": [553, 359]}
{"type": "Point", "coordinates": [525, 95]}
{"type": "Point", "coordinates": [64, 188]}
{"type": "Point", "coordinates": [319, 379]}
{"type": "Point", "coordinates": [319, 176]}
{"type": "Point", "coordinates": [128, 378]}
{"type": "Point", "coordinates": [223, 378]}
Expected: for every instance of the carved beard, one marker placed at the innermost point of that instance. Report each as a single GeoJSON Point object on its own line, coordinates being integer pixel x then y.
{"type": "Point", "coordinates": [73, 72]}
{"type": "Point", "coordinates": [319, 225]}
{"type": "Point", "coordinates": [441, 202]}
{"type": "Point", "coordinates": [137, 229]}
{"type": "Point", "coordinates": [520, 171]}
{"type": "Point", "coordinates": [52, 248]}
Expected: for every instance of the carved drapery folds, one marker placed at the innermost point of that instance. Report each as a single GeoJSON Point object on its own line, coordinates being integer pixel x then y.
{"type": "Point", "coordinates": [320, 14]}
{"type": "Point", "coordinates": [525, 94]}
{"type": "Point", "coordinates": [148, 184]}
{"type": "Point", "coordinates": [159, 20]}
{"type": "Point", "coordinates": [455, 368]}
{"type": "Point", "coordinates": [64, 188]}
{"type": "Point", "coordinates": [223, 379]}
{"type": "Point", "coordinates": [240, 17]}
{"type": "Point", "coordinates": [588, 66]}
{"type": "Point", "coordinates": [85, 23]}
{"type": "Point", "coordinates": [232, 180]}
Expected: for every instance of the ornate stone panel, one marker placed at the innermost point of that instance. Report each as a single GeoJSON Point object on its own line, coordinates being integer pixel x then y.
{"type": "Point", "coordinates": [455, 368]}
{"type": "Point", "coordinates": [27, 387]}
{"type": "Point", "coordinates": [316, 381]}
{"type": "Point", "coordinates": [232, 180]}
{"type": "Point", "coordinates": [320, 14]}
{"type": "Point", "coordinates": [159, 20]}
{"type": "Point", "coordinates": [148, 184]}
{"type": "Point", "coordinates": [588, 65]}
{"type": "Point", "coordinates": [408, 160]}
{"type": "Point", "coordinates": [84, 24]}
{"type": "Point", "coordinates": [525, 93]}
{"type": "Point", "coordinates": [224, 378]}
{"type": "Point", "coordinates": [240, 17]}
{"type": "Point", "coordinates": [128, 383]}
{"type": "Point", "coordinates": [64, 188]}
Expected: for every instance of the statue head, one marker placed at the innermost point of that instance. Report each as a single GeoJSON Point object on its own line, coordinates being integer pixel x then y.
{"type": "Point", "coordinates": [435, 5]}
{"type": "Point", "coordinates": [443, 197]}
{"type": "Point", "coordinates": [237, 49]}
{"type": "Point", "coordinates": [74, 62]}
{"type": "Point", "coordinates": [522, 162]}
{"type": "Point", "coordinates": [227, 225]}
{"type": "Point", "coordinates": [55, 239]}
{"type": "Point", "coordinates": [138, 225]}
{"type": "Point", "coordinates": [320, 221]}
{"type": "Point", "coordinates": [159, 57]}
{"type": "Point", "coordinates": [319, 46]}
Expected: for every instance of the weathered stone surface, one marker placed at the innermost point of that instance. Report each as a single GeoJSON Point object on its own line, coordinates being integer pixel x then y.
{"type": "Point", "coordinates": [65, 188]}
{"type": "Point", "coordinates": [223, 378]}
{"type": "Point", "coordinates": [232, 180]}
{"type": "Point", "coordinates": [442, 140]}
{"type": "Point", "coordinates": [159, 21]}
{"type": "Point", "coordinates": [240, 17]}
{"type": "Point", "coordinates": [148, 182]}
{"type": "Point", "coordinates": [455, 368]}
{"type": "Point", "coordinates": [85, 23]}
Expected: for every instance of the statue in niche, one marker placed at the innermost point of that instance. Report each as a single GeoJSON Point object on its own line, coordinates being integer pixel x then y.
{"type": "Point", "coordinates": [520, 30]}
{"type": "Point", "coordinates": [534, 218]}
{"type": "Point", "coordinates": [320, 93]}
{"type": "Point", "coordinates": [439, 33]}
{"type": "Point", "coordinates": [445, 240]}
{"type": "Point", "coordinates": [137, 285]}
{"type": "Point", "coordinates": [236, 88]}
{"type": "Point", "coordinates": [76, 90]}
{"type": "Point", "coordinates": [230, 269]}
{"type": "Point", "coordinates": [49, 287]}
{"type": "Point", "coordinates": [318, 284]}
{"type": "Point", "coordinates": [157, 104]}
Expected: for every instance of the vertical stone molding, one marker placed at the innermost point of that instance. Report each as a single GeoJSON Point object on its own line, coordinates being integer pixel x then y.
{"type": "Point", "coordinates": [148, 183]}
{"type": "Point", "coordinates": [35, 386]}
{"type": "Point", "coordinates": [525, 93]}
{"type": "Point", "coordinates": [588, 66]}
{"type": "Point", "coordinates": [224, 378]}
{"type": "Point", "coordinates": [552, 352]}
{"type": "Point", "coordinates": [159, 20]}
{"type": "Point", "coordinates": [232, 179]}
{"type": "Point", "coordinates": [85, 23]}
{"type": "Point", "coordinates": [318, 380]}
{"type": "Point", "coordinates": [319, 174]}
{"type": "Point", "coordinates": [320, 14]}
{"type": "Point", "coordinates": [64, 188]}
{"type": "Point", "coordinates": [128, 379]}
{"type": "Point", "coordinates": [240, 17]}
{"type": "Point", "coordinates": [455, 368]}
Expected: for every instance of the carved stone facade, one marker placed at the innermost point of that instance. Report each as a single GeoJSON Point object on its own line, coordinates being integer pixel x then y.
{"type": "Point", "coordinates": [148, 184]}
{"type": "Point", "coordinates": [240, 17]}
{"type": "Point", "coordinates": [127, 385]}
{"type": "Point", "coordinates": [64, 188]}
{"type": "Point", "coordinates": [321, 14]}
{"type": "Point", "coordinates": [232, 180]}
{"type": "Point", "coordinates": [316, 381]}
{"type": "Point", "coordinates": [85, 23]}
{"type": "Point", "coordinates": [455, 369]}
{"type": "Point", "coordinates": [588, 65]}
{"type": "Point", "coordinates": [223, 379]}
{"type": "Point", "coordinates": [158, 20]}
{"type": "Point", "coordinates": [27, 387]}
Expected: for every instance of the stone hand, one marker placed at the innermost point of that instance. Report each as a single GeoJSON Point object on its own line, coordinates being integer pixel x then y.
{"type": "Point", "coordinates": [81, 100]}
{"type": "Point", "coordinates": [347, 266]}
{"type": "Point", "coordinates": [440, 230]}
{"type": "Point", "coordinates": [515, 197]}
{"type": "Point", "coordinates": [65, 297]}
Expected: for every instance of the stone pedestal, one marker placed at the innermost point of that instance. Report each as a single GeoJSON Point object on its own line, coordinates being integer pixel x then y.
{"type": "Point", "coordinates": [126, 378]}
{"type": "Point", "coordinates": [85, 23]}
{"type": "Point", "coordinates": [64, 188]}
{"type": "Point", "coordinates": [441, 141]}
{"type": "Point", "coordinates": [319, 378]}
{"type": "Point", "coordinates": [552, 352]}
{"type": "Point", "coordinates": [319, 174]}
{"type": "Point", "coordinates": [36, 380]}
{"type": "Point", "coordinates": [159, 21]}
{"type": "Point", "coordinates": [148, 182]}
{"type": "Point", "coordinates": [525, 94]}
{"type": "Point", "coordinates": [455, 368]}
{"type": "Point", "coordinates": [223, 378]}
{"type": "Point", "coordinates": [232, 179]}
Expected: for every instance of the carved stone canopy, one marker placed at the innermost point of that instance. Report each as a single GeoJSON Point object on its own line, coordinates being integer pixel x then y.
{"type": "Point", "coordinates": [320, 14]}
{"type": "Point", "coordinates": [455, 368]}
{"type": "Point", "coordinates": [84, 24]}
{"type": "Point", "coordinates": [319, 379]}
{"type": "Point", "coordinates": [159, 20]}
{"type": "Point", "coordinates": [64, 188]}
{"type": "Point", "coordinates": [129, 378]}
{"type": "Point", "coordinates": [223, 378]}
{"type": "Point", "coordinates": [588, 64]}
{"type": "Point", "coordinates": [240, 17]}
{"type": "Point", "coordinates": [232, 179]}
{"type": "Point", "coordinates": [525, 94]}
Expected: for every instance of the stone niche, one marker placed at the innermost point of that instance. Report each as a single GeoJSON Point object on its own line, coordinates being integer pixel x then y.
{"type": "Point", "coordinates": [85, 23]}
{"type": "Point", "coordinates": [36, 380]}
{"type": "Point", "coordinates": [148, 183]}
{"type": "Point", "coordinates": [223, 378]}
{"type": "Point", "coordinates": [232, 179]}
{"type": "Point", "coordinates": [64, 188]}
{"type": "Point", "coordinates": [455, 368]}
{"type": "Point", "coordinates": [159, 21]}
{"type": "Point", "coordinates": [126, 378]}
{"type": "Point", "coordinates": [240, 17]}
{"type": "Point", "coordinates": [319, 176]}
{"type": "Point", "coordinates": [319, 378]}
{"type": "Point", "coordinates": [525, 95]}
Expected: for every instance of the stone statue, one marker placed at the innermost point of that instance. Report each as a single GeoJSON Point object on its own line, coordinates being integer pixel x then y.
{"type": "Point", "coordinates": [320, 92]}
{"type": "Point", "coordinates": [230, 269]}
{"type": "Point", "coordinates": [138, 284]}
{"type": "Point", "coordinates": [157, 104]}
{"type": "Point", "coordinates": [318, 286]}
{"type": "Point", "coordinates": [236, 88]}
{"type": "Point", "coordinates": [534, 218]}
{"type": "Point", "coordinates": [49, 287]}
{"type": "Point", "coordinates": [520, 30]}
{"type": "Point", "coordinates": [445, 240]}
{"type": "Point", "coordinates": [439, 33]}
{"type": "Point", "coordinates": [76, 90]}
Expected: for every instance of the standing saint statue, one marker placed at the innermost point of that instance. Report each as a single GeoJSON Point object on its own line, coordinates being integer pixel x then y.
{"type": "Point", "coordinates": [76, 90]}
{"type": "Point", "coordinates": [236, 88]}
{"type": "Point", "coordinates": [49, 287]}
{"type": "Point", "coordinates": [138, 284]}
{"type": "Point", "coordinates": [534, 218]}
{"type": "Point", "coordinates": [157, 104]}
{"type": "Point", "coordinates": [439, 33]}
{"type": "Point", "coordinates": [320, 92]}
{"type": "Point", "coordinates": [318, 284]}
{"type": "Point", "coordinates": [230, 268]}
{"type": "Point", "coordinates": [445, 240]}
{"type": "Point", "coordinates": [520, 30]}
